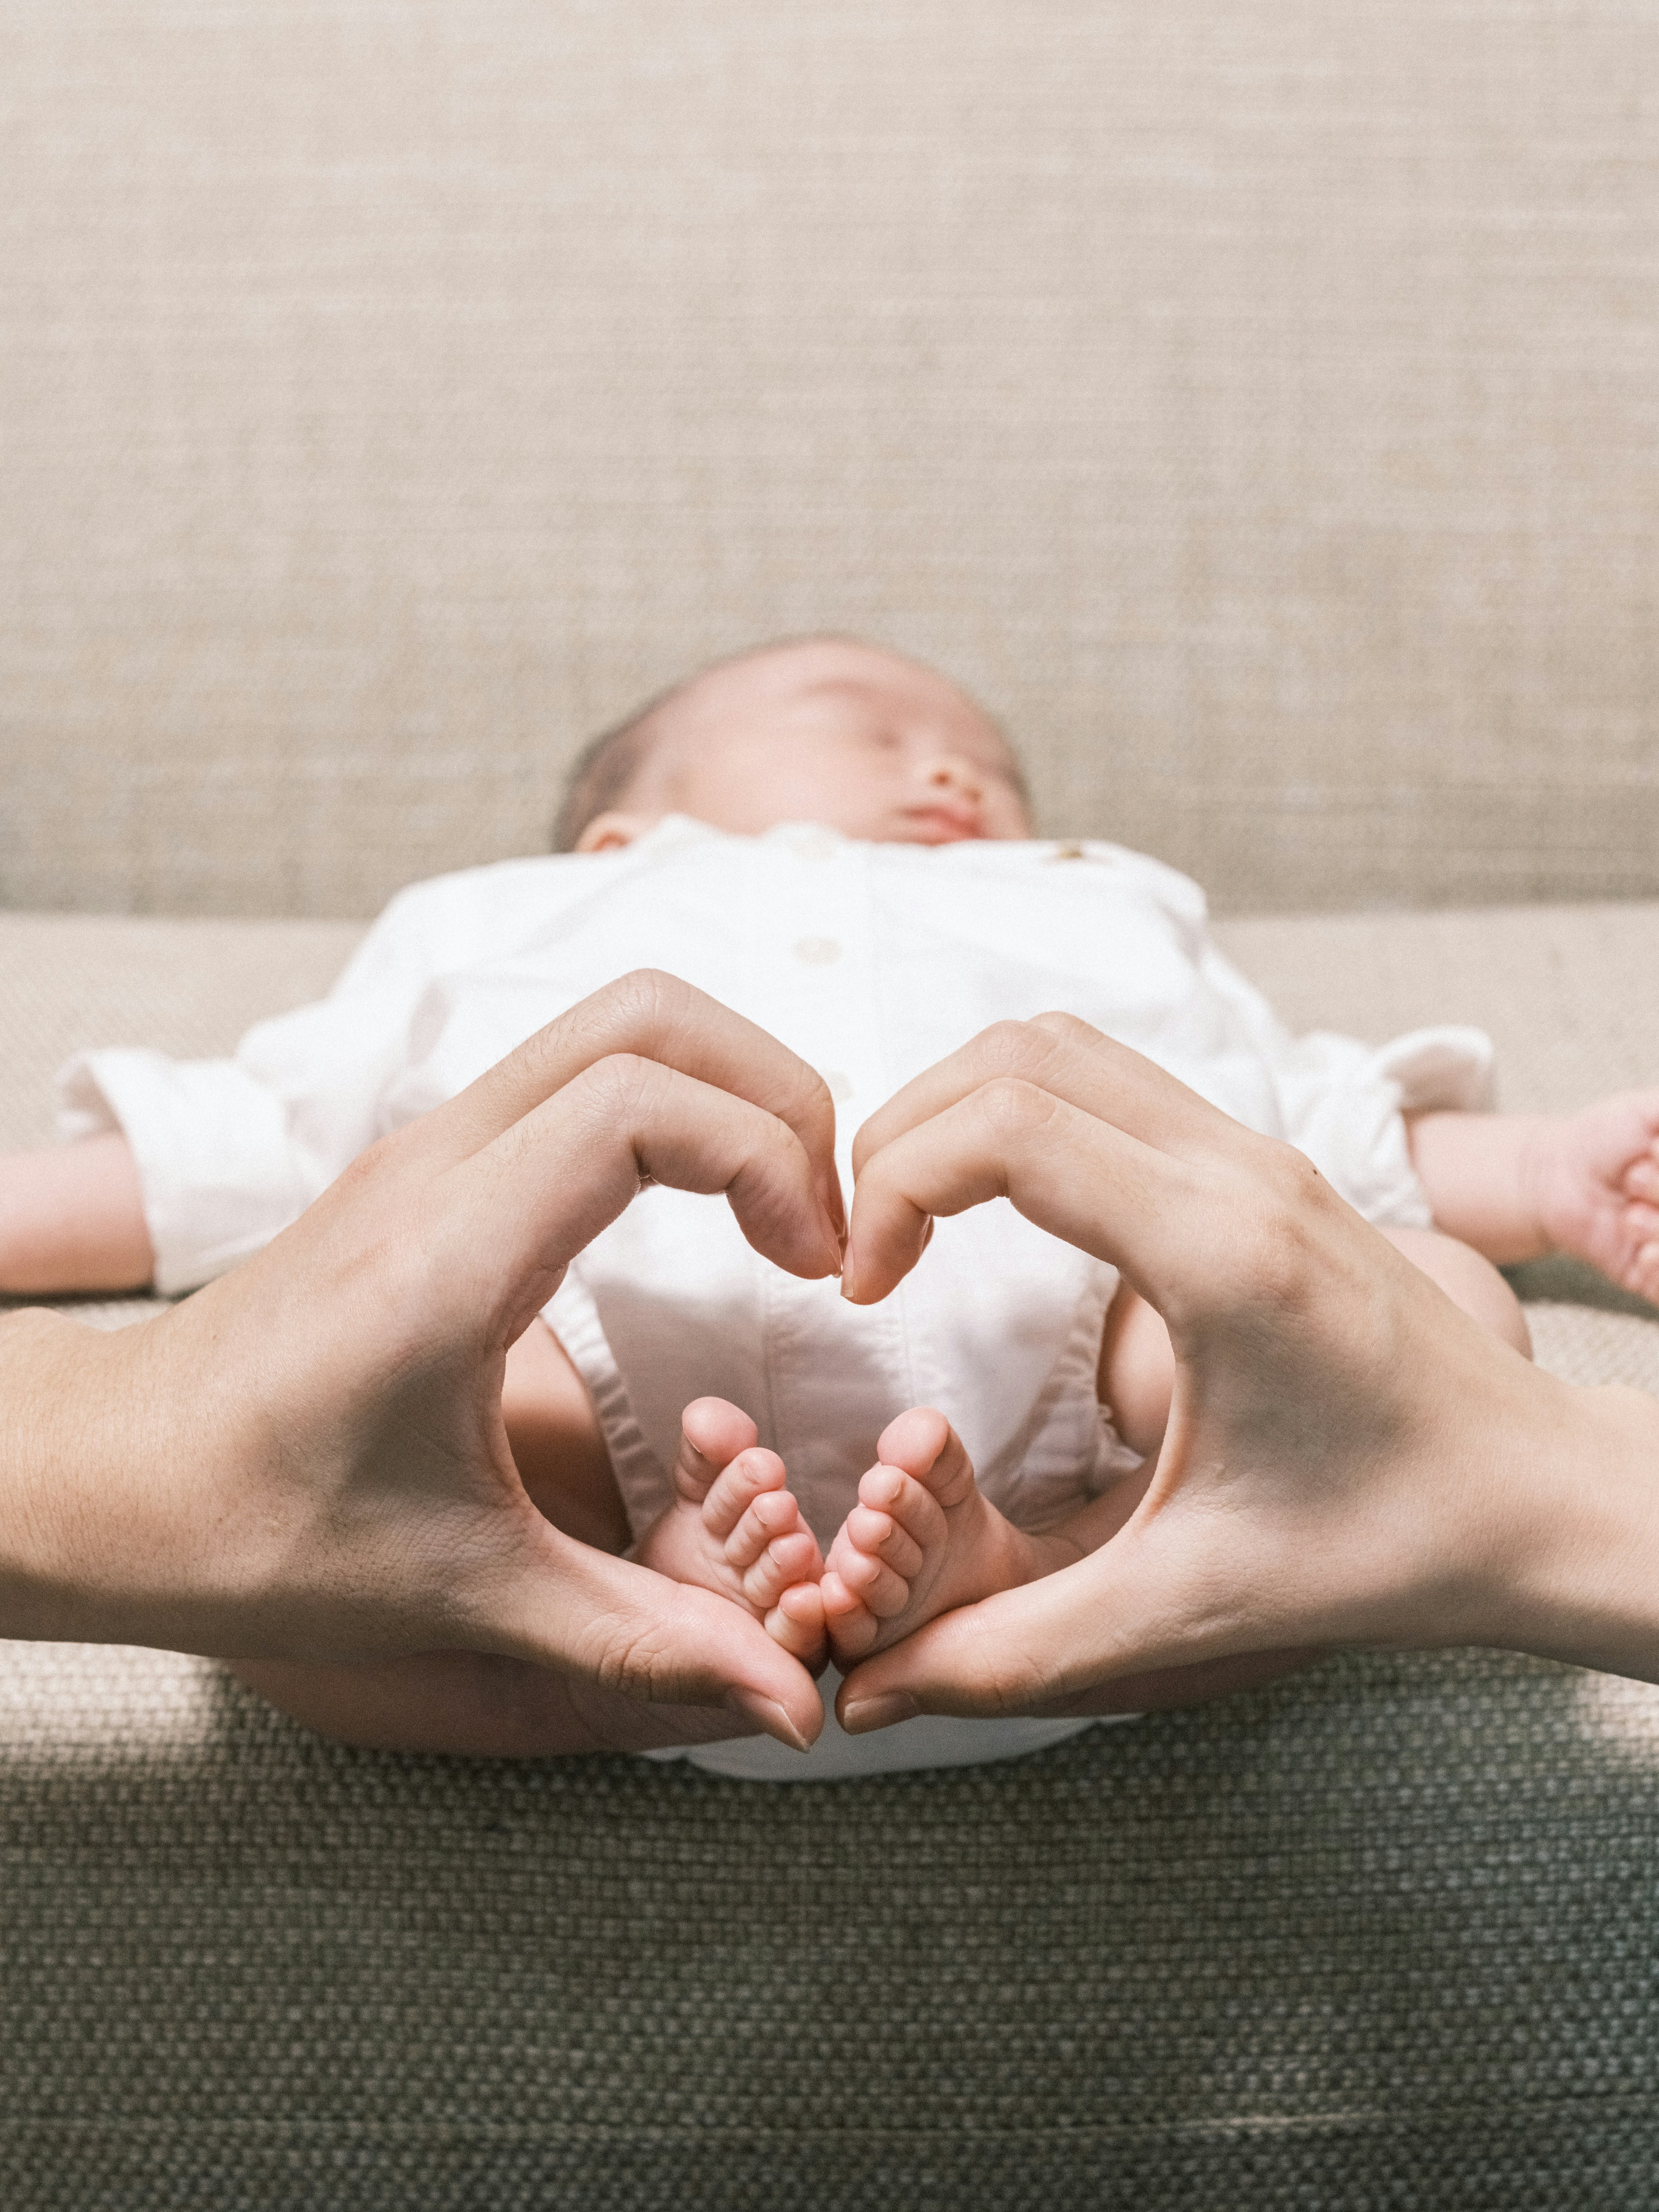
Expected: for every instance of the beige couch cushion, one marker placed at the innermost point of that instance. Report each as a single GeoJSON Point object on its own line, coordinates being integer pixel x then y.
{"type": "Point", "coordinates": [1382, 1935]}
{"type": "Point", "coordinates": [1254, 402]}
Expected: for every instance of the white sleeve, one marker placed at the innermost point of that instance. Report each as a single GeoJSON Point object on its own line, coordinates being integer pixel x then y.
{"type": "Point", "coordinates": [1342, 1102]}
{"type": "Point", "coordinates": [229, 1152]}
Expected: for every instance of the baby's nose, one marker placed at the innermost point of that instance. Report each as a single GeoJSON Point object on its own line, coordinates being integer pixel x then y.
{"type": "Point", "coordinates": [949, 773]}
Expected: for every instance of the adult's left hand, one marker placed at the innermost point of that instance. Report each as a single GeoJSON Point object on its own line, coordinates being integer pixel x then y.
{"type": "Point", "coordinates": [1349, 1458]}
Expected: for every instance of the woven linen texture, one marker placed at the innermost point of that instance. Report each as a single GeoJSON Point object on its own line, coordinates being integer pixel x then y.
{"type": "Point", "coordinates": [1255, 405]}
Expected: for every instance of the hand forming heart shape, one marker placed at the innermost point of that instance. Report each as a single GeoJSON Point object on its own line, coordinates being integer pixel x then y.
{"type": "Point", "coordinates": [1348, 1458]}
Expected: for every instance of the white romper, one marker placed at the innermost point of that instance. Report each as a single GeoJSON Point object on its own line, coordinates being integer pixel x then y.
{"type": "Point", "coordinates": [871, 961]}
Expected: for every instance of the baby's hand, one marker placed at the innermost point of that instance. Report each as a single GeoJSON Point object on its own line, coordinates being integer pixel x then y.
{"type": "Point", "coordinates": [1595, 1181]}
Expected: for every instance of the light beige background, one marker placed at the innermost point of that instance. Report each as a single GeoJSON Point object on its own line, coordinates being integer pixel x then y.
{"type": "Point", "coordinates": [1259, 405]}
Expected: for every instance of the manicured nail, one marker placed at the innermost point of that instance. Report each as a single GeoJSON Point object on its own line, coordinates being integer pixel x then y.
{"type": "Point", "coordinates": [864, 1714]}
{"type": "Point", "coordinates": [772, 1718]}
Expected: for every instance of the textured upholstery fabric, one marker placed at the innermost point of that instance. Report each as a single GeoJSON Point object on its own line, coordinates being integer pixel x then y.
{"type": "Point", "coordinates": [1382, 1937]}
{"type": "Point", "coordinates": [1255, 405]}
{"type": "Point", "coordinates": [1254, 402]}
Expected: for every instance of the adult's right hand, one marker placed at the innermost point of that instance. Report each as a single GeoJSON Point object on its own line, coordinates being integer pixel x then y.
{"type": "Point", "coordinates": [306, 1461]}
{"type": "Point", "coordinates": [1349, 1459]}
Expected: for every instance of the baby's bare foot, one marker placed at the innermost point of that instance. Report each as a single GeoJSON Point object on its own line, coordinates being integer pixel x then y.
{"type": "Point", "coordinates": [1595, 1177]}
{"type": "Point", "coordinates": [922, 1541]}
{"type": "Point", "coordinates": [735, 1528]}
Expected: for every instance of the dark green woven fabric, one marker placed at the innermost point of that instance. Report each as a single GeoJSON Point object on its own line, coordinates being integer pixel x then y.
{"type": "Point", "coordinates": [1383, 1937]}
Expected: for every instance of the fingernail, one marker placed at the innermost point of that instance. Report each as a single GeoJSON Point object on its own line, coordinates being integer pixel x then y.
{"type": "Point", "coordinates": [772, 1718]}
{"type": "Point", "coordinates": [864, 1714]}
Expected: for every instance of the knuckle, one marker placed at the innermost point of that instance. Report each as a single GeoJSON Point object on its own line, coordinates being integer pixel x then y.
{"type": "Point", "coordinates": [817, 1101]}
{"type": "Point", "coordinates": [1066, 1028]}
{"type": "Point", "coordinates": [616, 1090]}
{"type": "Point", "coordinates": [368, 1165]}
{"type": "Point", "coordinates": [634, 1001]}
{"type": "Point", "coordinates": [638, 1005]}
{"type": "Point", "coordinates": [1271, 1260]}
{"type": "Point", "coordinates": [1292, 1174]}
{"type": "Point", "coordinates": [1007, 1679]}
{"type": "Point", "coordinates": [1011, 1048]}
{"type": "Point", "coordinates": [630, 1655]}
{"type": "Point", "coordinates": [652, 990]}
{"type": "Point", "coordinates": [801, 1098]}
{"type": "Point", "coordinates": [1013, 1108]}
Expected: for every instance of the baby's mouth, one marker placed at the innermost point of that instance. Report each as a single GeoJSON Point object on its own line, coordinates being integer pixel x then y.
{"type": "Point", "coordinates": [940, 825]}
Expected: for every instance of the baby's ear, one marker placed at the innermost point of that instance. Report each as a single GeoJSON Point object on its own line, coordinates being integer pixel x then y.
{"type": "Point", "coordinates": [610, 833]}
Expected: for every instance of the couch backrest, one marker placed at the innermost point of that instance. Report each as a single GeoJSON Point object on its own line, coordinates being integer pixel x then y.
{"type": "Point", "coordinates": [1256, 404]}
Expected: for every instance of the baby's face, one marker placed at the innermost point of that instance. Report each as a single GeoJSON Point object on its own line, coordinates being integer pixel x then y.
{"type": "Point", "coordinates": [874, 746]}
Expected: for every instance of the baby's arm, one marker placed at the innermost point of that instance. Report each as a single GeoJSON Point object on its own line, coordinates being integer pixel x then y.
{"type": "Point", "coordinates": [72, 1221]}
{"type": "Point", "coordinates": [1517, 1186]}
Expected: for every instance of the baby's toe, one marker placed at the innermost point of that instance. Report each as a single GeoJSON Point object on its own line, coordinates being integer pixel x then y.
{"type": "Point", "coordinates": [879, 1536]}
{"type": "Point", "coordinates": [903, 1500]}
{"type": "Point", "coordinates": [868, 1578]}
{"type": "Point", "coordinates": [1641, 1178]}
{"type": "Point", "coordinates": [914, 1440]}
{"type": "Point", "coordinates": [797, 1622]}
{"type": "Point", "coordinates": [712, 1432]}
{"type": "Point", "coordinates": [928, 1450]}
{"type": "Point", "coordinates": [738, 1489]}
{"type": "Point", "coordinates": [769, 1515]}
{"type": "Point", "coordinates": [849, 1623]}
{"type": "Point", "coordinates": [786, 1561]}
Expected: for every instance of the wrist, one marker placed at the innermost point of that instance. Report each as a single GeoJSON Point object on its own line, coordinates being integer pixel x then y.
{"type": "Point", "coordinates": [1483, 1176]}
{"type": "Point", "coordinates": [1578, 1578]}
{"type": "Point", "coordinates": [1537, 1172]}
{"type": "Point", "coordinates": [94, 1524]}
{"type": "Point", "coordinates": [50, 1386]}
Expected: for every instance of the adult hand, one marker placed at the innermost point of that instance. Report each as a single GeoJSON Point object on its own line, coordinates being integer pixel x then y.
{"type": "Point", "coordinates": [1349, 1458]}
{"type": "Point", "coordinates": [306, 1460]}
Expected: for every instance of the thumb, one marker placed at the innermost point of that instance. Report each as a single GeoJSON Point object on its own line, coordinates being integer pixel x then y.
{"type": "Point", "coordinates": [665, 1643]}
{"type": "Point", "coordinates": [989, 1660]}
{"type": "Point", "coordinates": [1140, 1605]}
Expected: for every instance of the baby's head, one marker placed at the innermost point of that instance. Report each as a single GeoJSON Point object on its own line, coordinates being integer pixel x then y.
{"type": "Point", "coordinates": [820, 729]}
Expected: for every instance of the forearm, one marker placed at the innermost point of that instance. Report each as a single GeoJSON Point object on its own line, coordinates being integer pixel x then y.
{"type": "Point", "coordinates": [62, 1537]}
{"type": "Point", "coordinates": [130, 1486]}
{"type": "Point", "coordinates": [73, 1219]}
{"type": "Point", "coordinates": [1474, 1169]}
{"type": "Point", "coordinates": [1581, 1583]}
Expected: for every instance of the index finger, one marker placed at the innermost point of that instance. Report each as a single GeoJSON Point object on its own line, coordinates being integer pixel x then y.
{"type": "Point", "coordinates": [1065, 1056]}
{"type": "Point", "coordinates": [1071, 1172]}
{"type": "Point", "coordinates": [647, 1015]}
{"type": "Point", "coordinates": [1108, 1153]}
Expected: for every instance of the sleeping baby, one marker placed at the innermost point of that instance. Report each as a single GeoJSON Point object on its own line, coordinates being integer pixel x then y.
{"type": "Point", "coordinates": [833, 841]}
